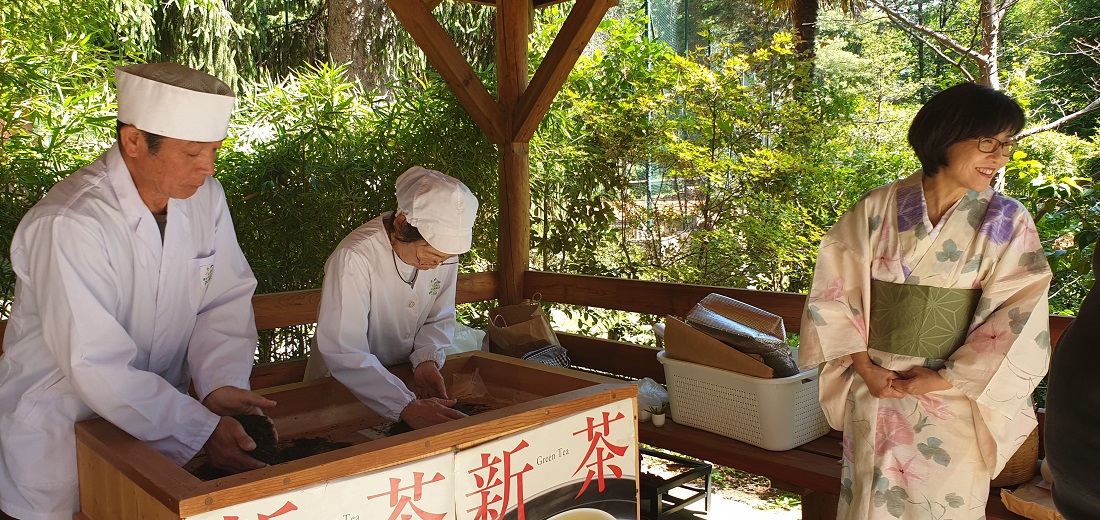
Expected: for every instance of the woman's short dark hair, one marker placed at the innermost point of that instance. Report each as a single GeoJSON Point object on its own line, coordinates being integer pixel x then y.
{"type": "Point", "coordinates": [964, 111]}
{"type": "Point", "coordinates": [402, 230]}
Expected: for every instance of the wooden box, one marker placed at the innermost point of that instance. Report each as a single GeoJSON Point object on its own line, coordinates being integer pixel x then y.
{"type": "Point", "coordinates": [538, 412]}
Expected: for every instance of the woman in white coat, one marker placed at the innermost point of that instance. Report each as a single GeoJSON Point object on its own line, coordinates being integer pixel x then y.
{"type": "Point", "coordinates": [129, 286]}
{"type": "Point", "coordinates": [389, 298]}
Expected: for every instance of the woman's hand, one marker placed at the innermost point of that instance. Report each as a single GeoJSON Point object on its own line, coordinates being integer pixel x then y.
{"type": "Point", "coordinates": [920, 381]}
{"type": "Point", "coordinates": [880, 381]}
{"type": "Point", "coordinates": [428, 382]}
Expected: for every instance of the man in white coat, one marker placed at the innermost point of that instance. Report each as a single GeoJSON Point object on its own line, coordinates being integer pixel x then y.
{"type": "Point", "coordinates": [389, 298]}
{"type": "Point", "coordinates": [130, 285]}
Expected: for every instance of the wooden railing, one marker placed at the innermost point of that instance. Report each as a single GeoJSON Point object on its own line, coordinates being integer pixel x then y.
{"type": "Point", "coordinates": [628, 359]}
{"type": "Point", "coordinates": [658, 298]}
{"type": "Point", "coordinates": [300, 308]}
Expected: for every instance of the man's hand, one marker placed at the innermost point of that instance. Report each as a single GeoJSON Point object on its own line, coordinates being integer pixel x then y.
{"type": "Point", "coordinates": [228, 447]}
{"type": "Point", "coordinates": [230, 400]}
{"type": "Point", "coordinates": [920, 381]}
{"type": "Point", "coordinates": [428, 382]}
{"type": "Point", "coordinates": [881, 382]}
{"type": "Point", "coordinates": [421, 413]}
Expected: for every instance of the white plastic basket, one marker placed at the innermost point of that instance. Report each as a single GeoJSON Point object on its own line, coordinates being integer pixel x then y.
{"type": "Point", "coordinates": [775, 414]}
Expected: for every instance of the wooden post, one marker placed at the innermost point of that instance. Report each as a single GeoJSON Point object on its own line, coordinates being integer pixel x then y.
{"type": "Point", "coordinates": [510, 120]}
{"type": "Point", "coordinates": [514, 244]}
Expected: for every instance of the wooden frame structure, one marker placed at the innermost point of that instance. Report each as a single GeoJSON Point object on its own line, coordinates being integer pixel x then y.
{"type": "Point", "coordinates": [810, 470]}
{"type": "Point", "coordinates": [509, 121]}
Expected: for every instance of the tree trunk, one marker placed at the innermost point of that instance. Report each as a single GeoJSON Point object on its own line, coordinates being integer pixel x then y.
{"type": "Point", "coordinates": [351, 28]}
{"type": "Point", "coordinates": [804, 19]}
{"type": "Point", "coordinates": [992, 13]}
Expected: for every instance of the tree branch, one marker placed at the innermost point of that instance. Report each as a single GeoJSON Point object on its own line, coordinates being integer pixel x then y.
{"type": "Point", "coordinates": [935, 48]}
{"type": "Point", "coordinates": [1060, 121]}
{"type": "Point", "coordinates": [914, 27]}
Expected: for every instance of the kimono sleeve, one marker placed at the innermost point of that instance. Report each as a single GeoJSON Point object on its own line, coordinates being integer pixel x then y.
{"type": "Point", "coordinates": [834, 323]}
{"type": "Point", "coordinates": [1007, 352]}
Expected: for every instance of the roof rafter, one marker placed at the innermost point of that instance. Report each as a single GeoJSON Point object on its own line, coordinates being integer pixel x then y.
{"type": "Point", "coordinates": [554, 70]}
{"type": "Point", "coordinates": [441, 51]}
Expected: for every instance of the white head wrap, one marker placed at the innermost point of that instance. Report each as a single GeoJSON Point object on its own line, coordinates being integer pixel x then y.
{"type": "Point", "coordinates": [174, 101]}
{"type": "Point", "coordinates": [439, 206]}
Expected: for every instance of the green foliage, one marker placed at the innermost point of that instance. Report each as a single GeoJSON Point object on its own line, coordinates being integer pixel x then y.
{"type": "Point", "coordinates": [1072, 72]}
{"type": "Point", "coordinates": [708, 168]}
{"type": "Point", "coordinates": [56, 112]}
{"type": "Point", "coordinates": [312, 160]}
{"type": "Point", "coordinates": [699, 169]}
{"type": "Point", "coordinates": [1050, 175]}
{"type": "Point", "coordinates": [201, 34]}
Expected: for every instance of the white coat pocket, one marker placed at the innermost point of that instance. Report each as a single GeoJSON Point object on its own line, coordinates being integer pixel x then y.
{"type": "Point", "coordinates": [200, 272]}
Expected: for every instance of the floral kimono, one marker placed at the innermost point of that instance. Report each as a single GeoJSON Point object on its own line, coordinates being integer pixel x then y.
{"type": "Point", "coordinates": [968, 298]}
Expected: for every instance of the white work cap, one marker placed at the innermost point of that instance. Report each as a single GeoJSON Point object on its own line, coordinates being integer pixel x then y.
{"type": "Point", "coordinates": [439, 206]}
{"type": "Point", "coordinates": [174, 101]}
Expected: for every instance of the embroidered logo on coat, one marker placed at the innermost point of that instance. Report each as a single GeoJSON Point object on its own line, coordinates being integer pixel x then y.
{"type": "Point", "coordinates": [434, 287]}
{"type": "Point", "coordinates": [209, 273]}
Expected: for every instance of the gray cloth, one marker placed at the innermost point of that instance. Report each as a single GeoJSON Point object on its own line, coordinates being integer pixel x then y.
{"type": "Point", "coordinates": [554, 355]}
{"type": "Point", "coordinates": [1072, 435]}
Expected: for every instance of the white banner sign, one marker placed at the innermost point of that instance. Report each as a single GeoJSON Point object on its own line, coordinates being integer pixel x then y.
{"type": "Point", "coordinates": [581, 467]}
{"type": "Point", "coordinates": [584, 462]}
{"type": "Point", "coordinates": [422, 489]}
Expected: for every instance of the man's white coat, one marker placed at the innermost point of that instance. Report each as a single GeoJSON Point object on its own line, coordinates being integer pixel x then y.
{"type": "Point", "coordinates": [109, 320]}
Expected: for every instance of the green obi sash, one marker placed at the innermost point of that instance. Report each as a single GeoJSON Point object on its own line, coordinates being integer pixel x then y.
{"type": "Point", "coordinates": [919, 320]}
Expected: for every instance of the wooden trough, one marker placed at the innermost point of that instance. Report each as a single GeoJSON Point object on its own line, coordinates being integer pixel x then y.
{"type": "Point", "coordinates": [551, 432]}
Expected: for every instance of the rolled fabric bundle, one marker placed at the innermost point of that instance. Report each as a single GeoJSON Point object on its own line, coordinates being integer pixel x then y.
{"type": "Point", "coordinates": [746, 328]}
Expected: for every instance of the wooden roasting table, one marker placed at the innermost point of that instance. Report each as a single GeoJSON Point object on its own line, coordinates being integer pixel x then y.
{"type": "Point", "coordinates": [553, 440]}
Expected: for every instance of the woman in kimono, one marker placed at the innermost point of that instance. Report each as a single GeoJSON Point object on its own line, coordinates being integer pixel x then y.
{"type": "Point", "coordinates": [928, 317]}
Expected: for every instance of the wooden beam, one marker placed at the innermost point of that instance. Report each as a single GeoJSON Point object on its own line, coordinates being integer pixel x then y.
{"type": "Point", "coordinates": [575, 34]}
{"type": "Point", "coordinates": [658, 298]}
{"type": "Point", "coordinates": [300, 307]}
{"type": "Point", "coordinates": [514, 242]}
{"type": "Point", "coordinates": [794, 467]}
{"type": "Point", "coordinates": [538, 4]}
{"type": "Point", "coordinates": [613, 357]}
{"type": "Point", "coordinates": [514, 165]}
{"type": "Point", "coordinates": [437, 45]}
{"type": "Point", "coordinates": [513, 24]}
{"type": "Point", "coordinates": [286, 308]}
{"type": "Point", "coordinates": [477, 287]}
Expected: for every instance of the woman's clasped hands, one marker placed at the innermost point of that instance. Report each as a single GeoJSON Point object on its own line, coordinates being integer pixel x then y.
{"type": "Point", "coordinates": [884, 383]}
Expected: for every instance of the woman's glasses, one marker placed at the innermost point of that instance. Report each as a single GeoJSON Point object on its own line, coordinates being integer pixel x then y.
{"type": "Point", "coordinates": [432, 265]}
{"type": "Point", "coordinates": [991, 144]}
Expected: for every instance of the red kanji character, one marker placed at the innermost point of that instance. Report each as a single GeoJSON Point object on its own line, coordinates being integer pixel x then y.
{"type": "Point", "coordinates": [597, 444]}
{"type": "Point", "coordinates": [399, 500]}
{"type": "Point", "coordinates": [287, 507]}
{"type": "Point", "coordinates": [487, 483]}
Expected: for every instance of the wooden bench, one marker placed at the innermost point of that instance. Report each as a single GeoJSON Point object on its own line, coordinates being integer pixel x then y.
{"type": "Point", "coordinates": [811, 470]}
